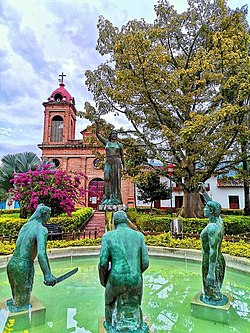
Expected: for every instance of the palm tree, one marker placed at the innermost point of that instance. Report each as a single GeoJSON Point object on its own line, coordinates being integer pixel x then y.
{"type": "Point", "coordinates": [17, 163]}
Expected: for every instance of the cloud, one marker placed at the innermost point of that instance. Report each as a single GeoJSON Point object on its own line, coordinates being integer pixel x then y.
{"type": "Point", "coordinates": [9, 16]}
{"type": "Point", "coordinates": [19, 134]}
{"type": "Point", "coordinates": [5, 64]}
{"type": "Point", "coordinates": [25, 44]}
{"type": "Point", "coordinates": [10, 148]}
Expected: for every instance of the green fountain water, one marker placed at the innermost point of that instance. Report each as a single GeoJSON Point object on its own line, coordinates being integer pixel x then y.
{"type": "Point", "coordinates": [76, 304]}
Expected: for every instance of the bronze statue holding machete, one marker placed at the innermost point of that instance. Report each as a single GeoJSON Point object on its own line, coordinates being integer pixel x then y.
{"type": "Point", "coordinates": [31, 243]}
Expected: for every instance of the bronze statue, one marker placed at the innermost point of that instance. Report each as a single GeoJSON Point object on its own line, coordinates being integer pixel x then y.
{"type": "Point", "coordinates": [112, 168]}
{"type": "Point", "coordinates": [31, 242]}
{"type": "Point", "coordinates": [123, 259]}
{"type": "Point", "coordinates": [213, 262]}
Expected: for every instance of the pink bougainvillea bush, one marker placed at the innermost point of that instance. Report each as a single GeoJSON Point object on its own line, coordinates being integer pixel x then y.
{"type": "Point", "coordinates": [54, 188]}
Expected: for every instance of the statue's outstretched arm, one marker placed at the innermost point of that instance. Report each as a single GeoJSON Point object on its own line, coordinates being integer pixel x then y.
{"type": "Point", "coordinates": [99, 136]}
{"type": "Point", "coordinates": [202, 190]}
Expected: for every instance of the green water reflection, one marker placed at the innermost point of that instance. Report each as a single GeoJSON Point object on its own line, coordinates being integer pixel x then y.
{"type": "Point", "coordinates": [169, 286]}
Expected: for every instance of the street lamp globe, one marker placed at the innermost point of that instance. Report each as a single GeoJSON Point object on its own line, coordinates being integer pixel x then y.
{"type": "Point", "coordinates": [170, 169]}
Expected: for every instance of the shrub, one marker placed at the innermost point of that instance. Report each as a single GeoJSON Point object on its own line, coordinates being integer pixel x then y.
{"type": "Point", "coordinates": [132, 215]}
{"type": "Point", "coordinates": [241, 248]}
{"type": "Point", "coordinates": [159, 240]}
{"type": "Point", "coordinates": [11, 226]}
{"type": "Point", "coordinates": [54, 188]}
{"type": "Point", "coordinates": [233, 225]}
{"type": "Point", "coordinates": [227, 211]}
{"type": "Point", "coordinates": [77, 242]}
{"type": "Point", "coordinates": [9, 211]}
{"type": "Point", "coordinates": [167, 241]}
{"type": "Point", "coordinates": [6, 248]}
{"type": "Point", "coordinates": [74, 222]}
{"type": "Point", "coordinates": [153, 223]}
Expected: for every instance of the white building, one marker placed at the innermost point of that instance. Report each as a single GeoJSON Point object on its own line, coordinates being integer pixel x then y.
{"type": "Point", "coordinates": [227, 194]}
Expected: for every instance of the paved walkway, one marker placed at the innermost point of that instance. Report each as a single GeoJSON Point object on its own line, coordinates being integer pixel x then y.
{"type": "Point", "coordinates": [96, 226]}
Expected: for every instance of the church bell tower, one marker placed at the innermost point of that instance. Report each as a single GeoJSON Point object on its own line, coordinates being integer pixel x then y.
{"type": "Point", "coordinates": [59, 116]}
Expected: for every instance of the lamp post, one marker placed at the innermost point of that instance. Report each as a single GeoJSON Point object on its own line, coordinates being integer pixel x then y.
{"type": "Point", "coordinates": [170, 170]}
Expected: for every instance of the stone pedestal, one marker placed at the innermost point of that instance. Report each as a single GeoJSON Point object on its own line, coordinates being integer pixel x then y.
{"type": "Point", "coordinates": [204, 311]}
{"type": "Point", "coordinates": [35, 316]}
{"type": "Point", "coordinates": [109, 212]}
{"type": "Point", "coordinates": [112, 207]}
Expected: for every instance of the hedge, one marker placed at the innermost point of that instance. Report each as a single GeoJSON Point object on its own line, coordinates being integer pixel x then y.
{"type": "Point", "coordinates": [227, 211]}
{"type": "Point", "coordinates": [74, 222]}
{"type": "Point", "coordinates": [241, 248]}
{"type": "Point", "coordinates": [77, 242]}
{"type": "Point", "coordinates": [11, 226]}
{"type": "Point", "coordinates": [233, 225]}
{"type": "Point", "coordinates": [9, 211]}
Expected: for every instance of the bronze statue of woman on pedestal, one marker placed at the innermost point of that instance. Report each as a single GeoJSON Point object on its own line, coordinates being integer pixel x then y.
{"type": "Point", "coordinates": [114, 162]}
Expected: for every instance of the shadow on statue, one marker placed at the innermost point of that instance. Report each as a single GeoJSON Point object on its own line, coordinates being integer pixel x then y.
{"type": "Point", "coordinates": [31, 242]}
{"type": "Point", "coordinates": [123, 259]}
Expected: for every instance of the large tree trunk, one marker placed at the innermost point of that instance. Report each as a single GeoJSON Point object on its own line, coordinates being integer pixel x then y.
{"type": "Point", "coordinates": [192, 205]}
{"type": "Point", "coordinates": [246, 177]}
{"type": "Point", "coordinates": [23, 212]}
{"type": "Point", "coordinates": [246, 189]}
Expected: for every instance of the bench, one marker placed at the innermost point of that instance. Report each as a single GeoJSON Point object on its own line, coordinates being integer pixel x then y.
{"type": "Point", "coordinates": [54, 231]}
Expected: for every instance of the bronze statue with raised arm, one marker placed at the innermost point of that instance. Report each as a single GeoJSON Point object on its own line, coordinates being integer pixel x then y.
{"type": "Point", "coordinates": [213, 262]}
{"type": "Point", "coordinates": [123, 259]}
{"type": "Point", "coordinates": [31, 242]}
{"type": "Point", "coordinates": [114, 162]}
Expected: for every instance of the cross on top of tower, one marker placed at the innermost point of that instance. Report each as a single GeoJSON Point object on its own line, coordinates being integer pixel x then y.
{"type": "Point", "coordinates": [61, 79]}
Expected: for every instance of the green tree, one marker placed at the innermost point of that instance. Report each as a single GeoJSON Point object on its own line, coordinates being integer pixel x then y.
{"type": "Point", "coordinates": [150, 188]}
{"type": "Point", "coordinates": [17, 163]}
{"type": "Point", "coordinates": [3, 194]}
{"type": "Point", "coordinates": [182, 82]}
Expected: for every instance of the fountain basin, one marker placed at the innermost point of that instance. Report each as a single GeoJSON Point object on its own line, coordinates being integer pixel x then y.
{"type": "Point", "coordinates": [76, 304]}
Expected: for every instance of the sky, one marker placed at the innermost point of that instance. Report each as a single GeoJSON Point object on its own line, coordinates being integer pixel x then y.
{"type": "Point", "coordinates": [40, 39]}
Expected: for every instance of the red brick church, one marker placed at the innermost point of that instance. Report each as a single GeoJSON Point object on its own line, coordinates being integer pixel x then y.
{"type": "Point", "coordinates": [60, 146]}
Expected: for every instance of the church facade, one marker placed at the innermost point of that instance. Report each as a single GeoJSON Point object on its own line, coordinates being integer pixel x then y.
{"type": "Point", "coordinates": [60, 146]}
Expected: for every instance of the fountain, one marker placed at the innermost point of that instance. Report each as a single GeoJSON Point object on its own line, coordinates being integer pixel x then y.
{"type": "Point", "coordinates": [169, 285]}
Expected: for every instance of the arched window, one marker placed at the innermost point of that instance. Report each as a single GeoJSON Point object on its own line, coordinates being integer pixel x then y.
{"type": "Point", "coordinates": [56, 134]}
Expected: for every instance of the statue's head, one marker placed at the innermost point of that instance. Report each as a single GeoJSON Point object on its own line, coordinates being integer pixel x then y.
{"type": "Point", "coordinates": [212, 208]}
{"type": "Point", "coordinates": [113, 135]}
{"type": "Point", "coordinates": [120, 217]}
{"type": "Point", "coordinates": [42, 213]}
